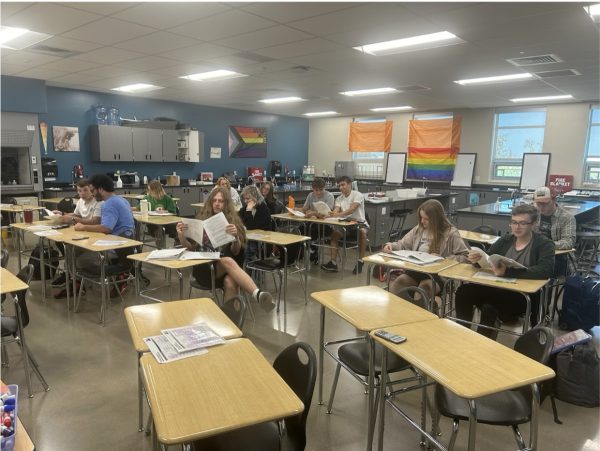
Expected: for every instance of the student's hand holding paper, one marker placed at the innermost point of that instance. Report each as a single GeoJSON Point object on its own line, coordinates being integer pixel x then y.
{"type": "Point", "coordinates": [474, 256]}
{"type": "Point", "coordinates": [387, 247]}
{"type": "Point", "coordinates": [231, 229]}
{"type": "Point", "coordinates": [499, 270]}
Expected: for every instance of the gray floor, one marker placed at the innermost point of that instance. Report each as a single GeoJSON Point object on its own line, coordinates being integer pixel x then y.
{"type": "Point", "coordinates": [91, 370]}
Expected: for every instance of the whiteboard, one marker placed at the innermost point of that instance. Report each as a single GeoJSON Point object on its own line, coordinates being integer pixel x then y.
{"type": "Point", "coordinates": [396, 164]}
{"type": "Point", "coordinates": [464, 169]}
{"type": "Point", "coordinates": [534, 170]}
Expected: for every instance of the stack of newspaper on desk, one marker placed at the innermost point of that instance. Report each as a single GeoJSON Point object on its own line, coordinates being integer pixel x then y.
{"type": "Point", "coordinates": [182, 342]}
{"type": "Point", "coordinates": [181, 254]}
{"type": "Point", "coordinates": [415, 257]}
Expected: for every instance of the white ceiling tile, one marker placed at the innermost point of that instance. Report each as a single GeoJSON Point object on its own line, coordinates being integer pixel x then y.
{"type": "Point", "coordinates": [27, 58]}
{"type": "Point", "coordinates": [299, 48]}
{"type": "Point", "coordinates": [264, 38]}
{"type": "Point", "coordinates": [146, 63]}
{"type": "Point", "coordinates": [178, 69]}
{"type": "Point", "coordinates": [158, 42]}
{"type": "Point", "coordinates": [169, 14]}
{"type": "Point", "coordinates": [108, 72]}
{"type": "Point", "coordinates": [71, 44]}
{"type": "Point", "coordinates": [42, 74]}
{"type": "Point", "coordinates": [108, 31]}
{"type": "Point", "coordinates": [76, 79]}
{"type": "Point", "coordinates": [7, 9]}
{"type": "Point", "coordinates": [49, 18]}
{"type": "Point", "coordinates": [108, 55]}
{"type": "Point", "coordinates": [286, 12]}
{"type": "Point", "coordinates": [200, 52]}
{"type": "Point", "coordinates": [13, 68]}
{"type": "Point", "coordinates": [223, 25]}
{"type": "Point", "coordinates": [69, 65]}
{"type": "Point", "coordinates": [103, 8]}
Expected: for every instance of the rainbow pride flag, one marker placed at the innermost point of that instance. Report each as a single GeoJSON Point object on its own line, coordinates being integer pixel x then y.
{"type": "Point", "coordinates": [433, 146]}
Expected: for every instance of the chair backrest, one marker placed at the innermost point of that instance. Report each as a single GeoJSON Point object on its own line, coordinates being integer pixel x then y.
{"type": "Point", "coordinates": [488, 230]}
{"type": "Point", "coordinates": [408, 293]}
{"type": "Point", "coordinates": [293, 250]}
{"type": "Point", "coordinates": [536, 344]}
{"type": "Point", "coordinates": [297, 366]}
{"type": "Point", "coordinates": [66, 205]}
{"type": "Point", "coordinates": [235, 309]}
{"type": "Point", "coordinates": [26, 274]}
{"type": "Point", "coordinates": [4, 258]}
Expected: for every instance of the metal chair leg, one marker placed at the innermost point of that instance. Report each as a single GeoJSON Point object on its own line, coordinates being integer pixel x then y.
{"type": "Point", "coordinates": [519, 437]}
{"type": "Point", "coordinates": [36, 368]}
{"type": "Point", "coordinates": [455, 426]}
{"type": "Point", "coordinates": [5, 362]}
{"type": "Point", "coordinates": [334, 387]}
{"type": "Point", "coordinates": [78, 299]}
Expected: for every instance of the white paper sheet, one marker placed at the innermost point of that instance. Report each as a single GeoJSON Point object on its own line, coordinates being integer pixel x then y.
{"type": "Point", "coordinates": [295, 212]}
{"type": "Point", "coordinates": [109, 243]}
{"type": "Point", "coordinates": [322, 208]}
{"type": "Point", "coordinates": [195, 230]}
{"type": "Point", "coordinates": [215, 229]}
{"type": "Point", "coordinates": [488, 276]}
{"type": "Point", "coordinates": [188, 255]}
{"type": "Point", "coordinates": [47, 233]}
{"type": "Point", "coordinates": [165, 254]}
{"type": "Point", "coordinates": [164, 352]}
{"type": "Point", "coordinates": [189, 338]}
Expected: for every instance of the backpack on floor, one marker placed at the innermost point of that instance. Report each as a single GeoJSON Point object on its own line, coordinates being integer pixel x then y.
{"type": "Point", "coordinates": [581, 303]}
{"type": "Point", "coordinates": [379, 272]}
{"type": "Point", "coordinates": [50, 257]}
{"type": "Point", "coordinates": [577, 375]}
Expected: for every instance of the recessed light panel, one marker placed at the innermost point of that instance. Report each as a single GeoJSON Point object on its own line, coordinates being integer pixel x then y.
{"type": "Point", "coordinates": [369, 92]}
{"type": "Point", "coordinates": [593, 11]}
{"type": "Point", "coordinates": [392, 108]}
{"type": "Point", "coordinates": [495, 79]}
{"type": "Point", "coordinates": [414, 43]}
{"type": "Point", "coordinates": [282, 100]}
{"type": "Point", "coordinates": [20, 38]}
{"type": "Point", "coordinates": [137, 87]}
{"type": "Point", "coordinates": [321, 113]}
{"type": "Point", "coordinates": [541, 99]}
{"type": "Point", "coordinates": [220, 74]}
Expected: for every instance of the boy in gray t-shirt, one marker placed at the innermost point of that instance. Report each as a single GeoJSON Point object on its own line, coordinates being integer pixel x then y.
{"type": "Point", "coordinates": [319, 194]}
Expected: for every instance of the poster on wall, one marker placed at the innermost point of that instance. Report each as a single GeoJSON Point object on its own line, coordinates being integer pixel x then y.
{"type": "Point", "coordinates": [247, 142]}
{"type": "Point", "coordinates": [66, 139]}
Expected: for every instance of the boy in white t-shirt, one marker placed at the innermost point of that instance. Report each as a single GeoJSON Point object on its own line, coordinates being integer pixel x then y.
{"type": "Point", "coordinates": [350, 204]}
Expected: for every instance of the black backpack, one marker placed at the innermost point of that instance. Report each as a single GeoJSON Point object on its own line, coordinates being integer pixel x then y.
{"type": "Point", "coordinates": [581, 303]}
{"type": "Point", "coordinates": [50, 257]}
{"type": "Point", "coordinates": [577, 375]}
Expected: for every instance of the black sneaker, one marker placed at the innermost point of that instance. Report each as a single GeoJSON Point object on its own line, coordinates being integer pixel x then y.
{"type": "Point", "coordinates": [358, 268]}
{"type": "Point", "coordinates": [330, 267]}
{"type": "Point", "coordinates": [60, 281]}
{"type": "Point", "coordinates": [265, 300]}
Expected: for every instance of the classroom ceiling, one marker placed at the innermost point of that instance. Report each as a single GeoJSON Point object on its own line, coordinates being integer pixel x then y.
{"type": "Point", "coordinates": [305, 50]}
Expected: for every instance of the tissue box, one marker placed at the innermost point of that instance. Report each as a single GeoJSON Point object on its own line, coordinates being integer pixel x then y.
{"type": "Point", "coordinates": [9, 410]}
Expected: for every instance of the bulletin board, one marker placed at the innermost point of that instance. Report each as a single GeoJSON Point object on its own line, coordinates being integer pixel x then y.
{"type": "Point", "coordinates": [534, 170]}
{"type": "Point", "coordinates": [464, 170]}
{"type": "Point", "coordinates": [396, 165]}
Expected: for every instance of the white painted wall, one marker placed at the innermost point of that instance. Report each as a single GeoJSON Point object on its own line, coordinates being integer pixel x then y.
{"type": "Point", "coordinates": [565, 138]}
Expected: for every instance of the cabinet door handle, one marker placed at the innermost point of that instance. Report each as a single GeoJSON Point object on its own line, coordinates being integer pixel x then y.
{"type": "Point", "coordinates": [115, 156]}
{"type": "Point", "coordinates": [150, 157]}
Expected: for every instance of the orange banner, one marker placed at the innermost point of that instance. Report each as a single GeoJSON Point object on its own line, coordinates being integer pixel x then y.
{"type": "Point", "coordinates": [370, 136]}
{"type": "Point", "coordinates": [435, 133]}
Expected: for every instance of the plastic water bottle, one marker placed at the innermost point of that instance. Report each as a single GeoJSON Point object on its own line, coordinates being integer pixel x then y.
{"type": "Point", "coordinates": [291, 202]}
{"type": "Point", "coordinates": [119, 183]}
{"type": "Point", "coordinates": [498, 204]}
{"type": "Point", "coordinates": [144, 207]}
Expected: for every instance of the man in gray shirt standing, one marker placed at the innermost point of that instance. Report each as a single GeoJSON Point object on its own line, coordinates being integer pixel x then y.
{"type": "Point", "coordinates": [319, 194]}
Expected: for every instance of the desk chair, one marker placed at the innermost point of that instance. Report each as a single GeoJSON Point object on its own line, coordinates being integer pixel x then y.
{"type": "Point", "coordinates": [485, 229]}
{"type": "Point", "coordinates": [13, 330]}
{"type": "Point", "coordinates": [4, 258]}
{"type": "Point", "coordinates": [399, 215]}
{"type": "Point", "coordinates": [354, 354]}
{"type": "Point", "coordinates": [587, 249]}
{"type": "Point", "coordinates": [297, 366]}
{"type": "Point", "coordinates": [235, 309]}
{"type": "Point", "coordinates": [508, 408]}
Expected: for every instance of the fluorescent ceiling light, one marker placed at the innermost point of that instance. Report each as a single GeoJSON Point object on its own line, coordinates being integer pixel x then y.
{"type": "Point", "coordinates": [321, 113]}
{"type": "Point", "coordinates": [535, 99]}
{"type": "Point", "coordinates": [593, 11]}
{"type": "Point", "coordinates": [495, 79]}
{"type": "Point", "coordinates": [369, 92]}
{"type": "Point", "coordinates": [282, 100]}
{"type": "Point", "coordinates": [137, 87]}
{"type": "Point", "coordinates": [392, 108]}
{"type": "Point", "coordinates": [220, 74]}
{"type": "Point", "coordinates": [20, 38]}
{"type": "Point", "coordinates": [422, 42]}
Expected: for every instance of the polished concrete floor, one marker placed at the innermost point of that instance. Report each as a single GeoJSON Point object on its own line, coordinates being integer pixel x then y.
{"type": "Point", "coordinates": [91, 371]}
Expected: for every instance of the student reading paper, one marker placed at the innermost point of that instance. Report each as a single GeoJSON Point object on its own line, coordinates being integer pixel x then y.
{"type": "Point", "coordinates": [435, 235]}
{"type": "Point", "coordinates": [228, 273]}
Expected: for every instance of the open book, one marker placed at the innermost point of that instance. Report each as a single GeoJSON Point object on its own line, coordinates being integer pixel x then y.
{"type": "Point", "coordinates": [322, 208]}
{"type": "Point", "coordinates": [295, 212]}
{"type": "Point", "coordinates": [181, 254]}
{"type": "Point", "coordinates": [416, 257]}
{"type": "Point", "coordinates": [487, 261]}
{"type": "Point", "coordinates": [214, 228]}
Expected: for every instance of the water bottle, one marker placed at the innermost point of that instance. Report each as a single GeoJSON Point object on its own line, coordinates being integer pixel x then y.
{"type": "Point", "coordinates": [498, 204]}
{"type": "Point", "coordinates": [144, 207]}
{"type": "Point", "coordinates": [114, 116]}
{"type": "Point", "coordinates": [100, 114]}
{"type": "Point", "coordinates": [119, 183]}
{"type": "Point", "coordinates": [291, 202]}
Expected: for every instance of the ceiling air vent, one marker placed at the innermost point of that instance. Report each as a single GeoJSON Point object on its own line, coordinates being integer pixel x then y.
{"type": "Point", "coordinates": [535, 60]}
{"type": "Point", "coordinates": [557, 73]}
{"type": "Point", "coordinates": [410, 88]}
{"type": "Point", "coordinates": [254, 57]}
{"type": "Point", "coordinates": [52, 51]}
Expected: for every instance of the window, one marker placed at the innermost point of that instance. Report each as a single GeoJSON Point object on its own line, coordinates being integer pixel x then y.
{"type": "Point", "coordinates": [370, 165]}
{"type": "Point", "coordinates": [515, 133]}
{"type": "Point", "coordinates": [431, 116]}
{"type": "Point", "coordinates": [591, 164]}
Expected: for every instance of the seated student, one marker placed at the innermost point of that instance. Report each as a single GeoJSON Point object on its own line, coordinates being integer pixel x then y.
{"type": "Point", "coordinates": [159, 200]}
{"type": "Point", "coordinates": [255, 215]}
{"type": "Point", "coordinates": [268, 192]}
{"type": "Point", "coordinates": [228, 272]}
{"type": "Point", "coordinates": [87, 211]}
{"type": "Point", "coordinates": [223, 182]}
{"type": "Point", "coordinates": [116, 219]}
{"type": "Point", "coordinates": [318, 194]}
{"type": "Point", "coordinates": [527, 247]}
{"type": "Point", "coordinates": [350, 204]}
{"type": "Point", "coordinates": [435, 235]}
{"type": "Point", "coordinates": [556, 224]}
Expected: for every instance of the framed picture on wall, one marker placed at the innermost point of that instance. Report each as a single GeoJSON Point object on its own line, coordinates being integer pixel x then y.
{"type": "Point", "coordinates": [66, 139]}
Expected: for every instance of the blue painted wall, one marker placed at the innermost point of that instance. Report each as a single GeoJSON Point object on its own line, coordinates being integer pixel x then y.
{"type": "Point", "coordinates": [23, 95]}
{"type": "Point", "coordinates": [287, 136]}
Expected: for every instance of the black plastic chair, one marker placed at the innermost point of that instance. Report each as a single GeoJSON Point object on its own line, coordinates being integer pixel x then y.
{"type": "Point", "coordinates": [13, 329]}
{"type": "Point", "coordinates": [507, 408]}
{"type": "Point", "coordinates": [297, 366]}
{"type": "Point", "coordinates": [235, 309]}
{"type": "Point", "coordinates": [4, 258]}
{"type": "Point", "coordinates": [398, 216]}
{"type": "Point", "coordinates": [488, 230]}
{"type": "Point", "coordinates": [354, 356]}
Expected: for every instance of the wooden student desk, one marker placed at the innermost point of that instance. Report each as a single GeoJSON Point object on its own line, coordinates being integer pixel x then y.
{"type": "Point", "coordinates": [230, 387]}
{"type": "Point", "coordinates": [465, 362]}
{"type": "Point", "coordinates": [464, 272]}
{"type": "Point", "coordinates": [177, 265]}
{"type": "Point", "coordinates": [159, 221]}
{"type": "Point", "coordinates": [476, 237]}
{"type": "Point", "coordinates": [148, 320]}
{"type": "Point", "coordinates": [365, 308]}
{"type": "Point", "coordinates": [9, 283]}
{"type": "Point", "coordinates": [283, 240]}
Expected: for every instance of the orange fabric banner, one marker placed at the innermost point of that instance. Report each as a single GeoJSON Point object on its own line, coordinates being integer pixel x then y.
{"type": "Point", "coordinates": [370, 136]}
{"type": "Point", "coordinates": [435, 133]}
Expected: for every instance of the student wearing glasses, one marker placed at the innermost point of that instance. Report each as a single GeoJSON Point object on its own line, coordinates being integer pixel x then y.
{"type": "Point", "coordinates": [527, 247]}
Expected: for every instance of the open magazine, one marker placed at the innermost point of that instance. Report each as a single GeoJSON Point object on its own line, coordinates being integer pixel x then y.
{"type": "Point", "coordinates": [214, 228]}
{"type": "Point", "coordinates": [487, 261]}
{"type": "Point", "coordinates": [322, 208]}
{"type": "Point", "coordinates": [295, 212]}
{"type": "Point", "coordinates": [416, 257]}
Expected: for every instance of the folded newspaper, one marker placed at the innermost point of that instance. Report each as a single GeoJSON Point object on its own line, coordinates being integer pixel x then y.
{"type": "Point", "coordinates": [416, 257]}
{"type": "Point", "coordinates": [487, 261]}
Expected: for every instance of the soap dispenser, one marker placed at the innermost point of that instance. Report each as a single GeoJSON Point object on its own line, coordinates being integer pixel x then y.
{"type": "Point", "coordinates": [119, 183]}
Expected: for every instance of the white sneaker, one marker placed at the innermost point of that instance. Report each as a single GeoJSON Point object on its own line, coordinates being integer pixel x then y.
{"type": "Point", "coordinates": [265, 300]}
